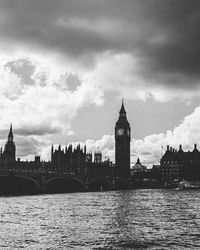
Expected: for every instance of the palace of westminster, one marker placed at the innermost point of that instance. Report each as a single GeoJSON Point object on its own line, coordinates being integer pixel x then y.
{"type": "Point", "coordinates": [175, 165]}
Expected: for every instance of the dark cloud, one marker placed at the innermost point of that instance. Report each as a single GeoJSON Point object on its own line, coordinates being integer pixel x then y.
{"type": "Point", "coordinates": [23, 68]}
{"type": "Point", "coordinates": [31, 130]}
{"type": "Point", "coordinates": [163, 34]}
{"type": "Point", "coordinates": [178, 22]}
{"type": "Point", "coordinates": [42, 130]}
{"type": "Point", "coordinates": [146, 153]}
{"type": "Point", "coordinates": [73, 82]}
{"type": "Point", "coordinates": [28, 146]}
{"type": "Point", "coordinates": [47, 25]}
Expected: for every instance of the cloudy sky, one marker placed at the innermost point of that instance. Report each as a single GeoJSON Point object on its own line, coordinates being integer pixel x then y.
{"type": "Point", "coordinates": [65, 65]}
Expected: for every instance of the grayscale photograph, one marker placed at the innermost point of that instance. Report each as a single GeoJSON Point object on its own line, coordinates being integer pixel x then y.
{"type": "Point", "coordinates": [99, 124]}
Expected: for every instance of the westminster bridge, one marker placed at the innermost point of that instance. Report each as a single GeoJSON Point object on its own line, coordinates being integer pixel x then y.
{"type": "Point", "coordinates": [20, 182]}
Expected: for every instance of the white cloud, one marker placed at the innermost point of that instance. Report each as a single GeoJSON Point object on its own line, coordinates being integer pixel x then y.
{"type": "Point", "coordinates": [43, 105]}
{"type": "Point", "coordinates": [104, 145]}
{"type": "Point", "coordinates": [10, 83]}
{"type": "Point", "coordinates": [186, 133]}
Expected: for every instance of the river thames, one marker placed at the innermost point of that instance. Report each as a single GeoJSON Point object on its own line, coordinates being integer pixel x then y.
{"type": "Point", "coordinates": [135, 219]}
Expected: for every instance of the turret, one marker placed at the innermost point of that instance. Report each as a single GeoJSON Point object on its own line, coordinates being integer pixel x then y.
{"type": "Point", "coordinates": [138, 161]}
{"type": "Point", "coordinates": [180, 148]}
{"type": "Point", "coordinates": [195, 148]}
{"type": "Point", "coordinates": [52, 153]}
{"type": "Point", "coordinates": [9, 151]}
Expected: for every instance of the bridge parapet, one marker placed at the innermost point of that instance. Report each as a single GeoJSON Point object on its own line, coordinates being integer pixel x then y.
{"type": "Point", "coordinates": [44, 179]}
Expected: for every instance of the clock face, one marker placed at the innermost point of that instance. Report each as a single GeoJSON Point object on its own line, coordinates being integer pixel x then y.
{"type": "Point", "coordinates": [120, 131]}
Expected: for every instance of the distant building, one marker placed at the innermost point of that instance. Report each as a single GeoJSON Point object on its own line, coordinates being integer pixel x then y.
{"type": "Point", "coordinates": [89, 157]}
{"type": "Point", "coordinates": [8, 158]}
{"type": "Point", "coordinates": [177, 165]}
{"type": "Point", "coordinates": [68, 160]}
{"type": "Point", "coordinates": [8, 155]}
{"type": "Point", "coordinates": [154, 173]}
{"type": "Point", "coordinates": [138, 168]}
{"type": "Point", "coordinates": [97, 157]}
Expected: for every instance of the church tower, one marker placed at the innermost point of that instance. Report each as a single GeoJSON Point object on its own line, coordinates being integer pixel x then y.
{"type": "Point", "coordinates": [9, 152]}
{"type": "Point", "coordinates": [122, 144]}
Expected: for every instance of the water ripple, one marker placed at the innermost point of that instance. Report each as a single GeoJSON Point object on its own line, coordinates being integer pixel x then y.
{"type": "Point", "coordinates": [137, 219]}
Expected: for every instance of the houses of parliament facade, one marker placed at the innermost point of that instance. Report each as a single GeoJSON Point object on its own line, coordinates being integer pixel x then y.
{"type": "Point", "coordinates": [76, 160]}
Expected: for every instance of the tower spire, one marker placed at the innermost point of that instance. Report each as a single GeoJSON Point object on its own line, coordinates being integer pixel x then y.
{"type": "Point", "coordinates": [10, 135]}
{"type": "Point", "coordinates": [10, 149]}
{"type": "Point", "coordinates": [122, 110]}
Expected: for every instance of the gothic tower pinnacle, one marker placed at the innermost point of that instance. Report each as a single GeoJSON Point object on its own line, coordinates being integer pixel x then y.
{"type": "Point", "coordinates": [10, 135]}
{"type": "Point", "coordinates": [10, 150]}
{"type": "Point", "coordinates": [122, 110]}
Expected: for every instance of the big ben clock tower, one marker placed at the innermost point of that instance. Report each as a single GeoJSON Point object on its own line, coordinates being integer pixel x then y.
{"type": "Point", "coordinates": [122, 144]}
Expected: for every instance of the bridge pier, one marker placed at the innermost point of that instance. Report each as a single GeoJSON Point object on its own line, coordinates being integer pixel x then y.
{"type": "Point", "coordinates": [42, 185]}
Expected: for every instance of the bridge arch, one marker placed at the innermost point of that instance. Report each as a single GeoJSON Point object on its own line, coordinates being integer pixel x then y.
{"type": "Point", "coordinates": [99, 184]}
{"type": "Point", "coordinates": [64, 185]}
{"type": "Point", "coordinates": [18, 185]}
{"type": "Point", "coordinates": [28, 178]}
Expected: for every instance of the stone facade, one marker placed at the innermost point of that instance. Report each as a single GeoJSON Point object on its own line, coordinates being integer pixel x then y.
{"type": "Point", "coordinates": [177, 165]}
{"type": "Point", "coordinates": [122, 144]}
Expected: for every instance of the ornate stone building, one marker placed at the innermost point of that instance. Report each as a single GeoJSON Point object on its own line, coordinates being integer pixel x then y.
{"type": "Point", "coordinates": [122, 144]}
{"type": "Point", "coordinates": [177, 165]}
{"type": "Point", "coordinates": [8, 155]}
{"type": "Point", "coordinates": [68, 160]}
{"type": "Point", "coordinates": [76, 160]}
{"type": "Point", "coordinates": [138, 168]}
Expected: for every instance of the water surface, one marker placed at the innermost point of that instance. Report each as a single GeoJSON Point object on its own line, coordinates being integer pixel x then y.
{"type": "Point", "coordinates": [136, 219]}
